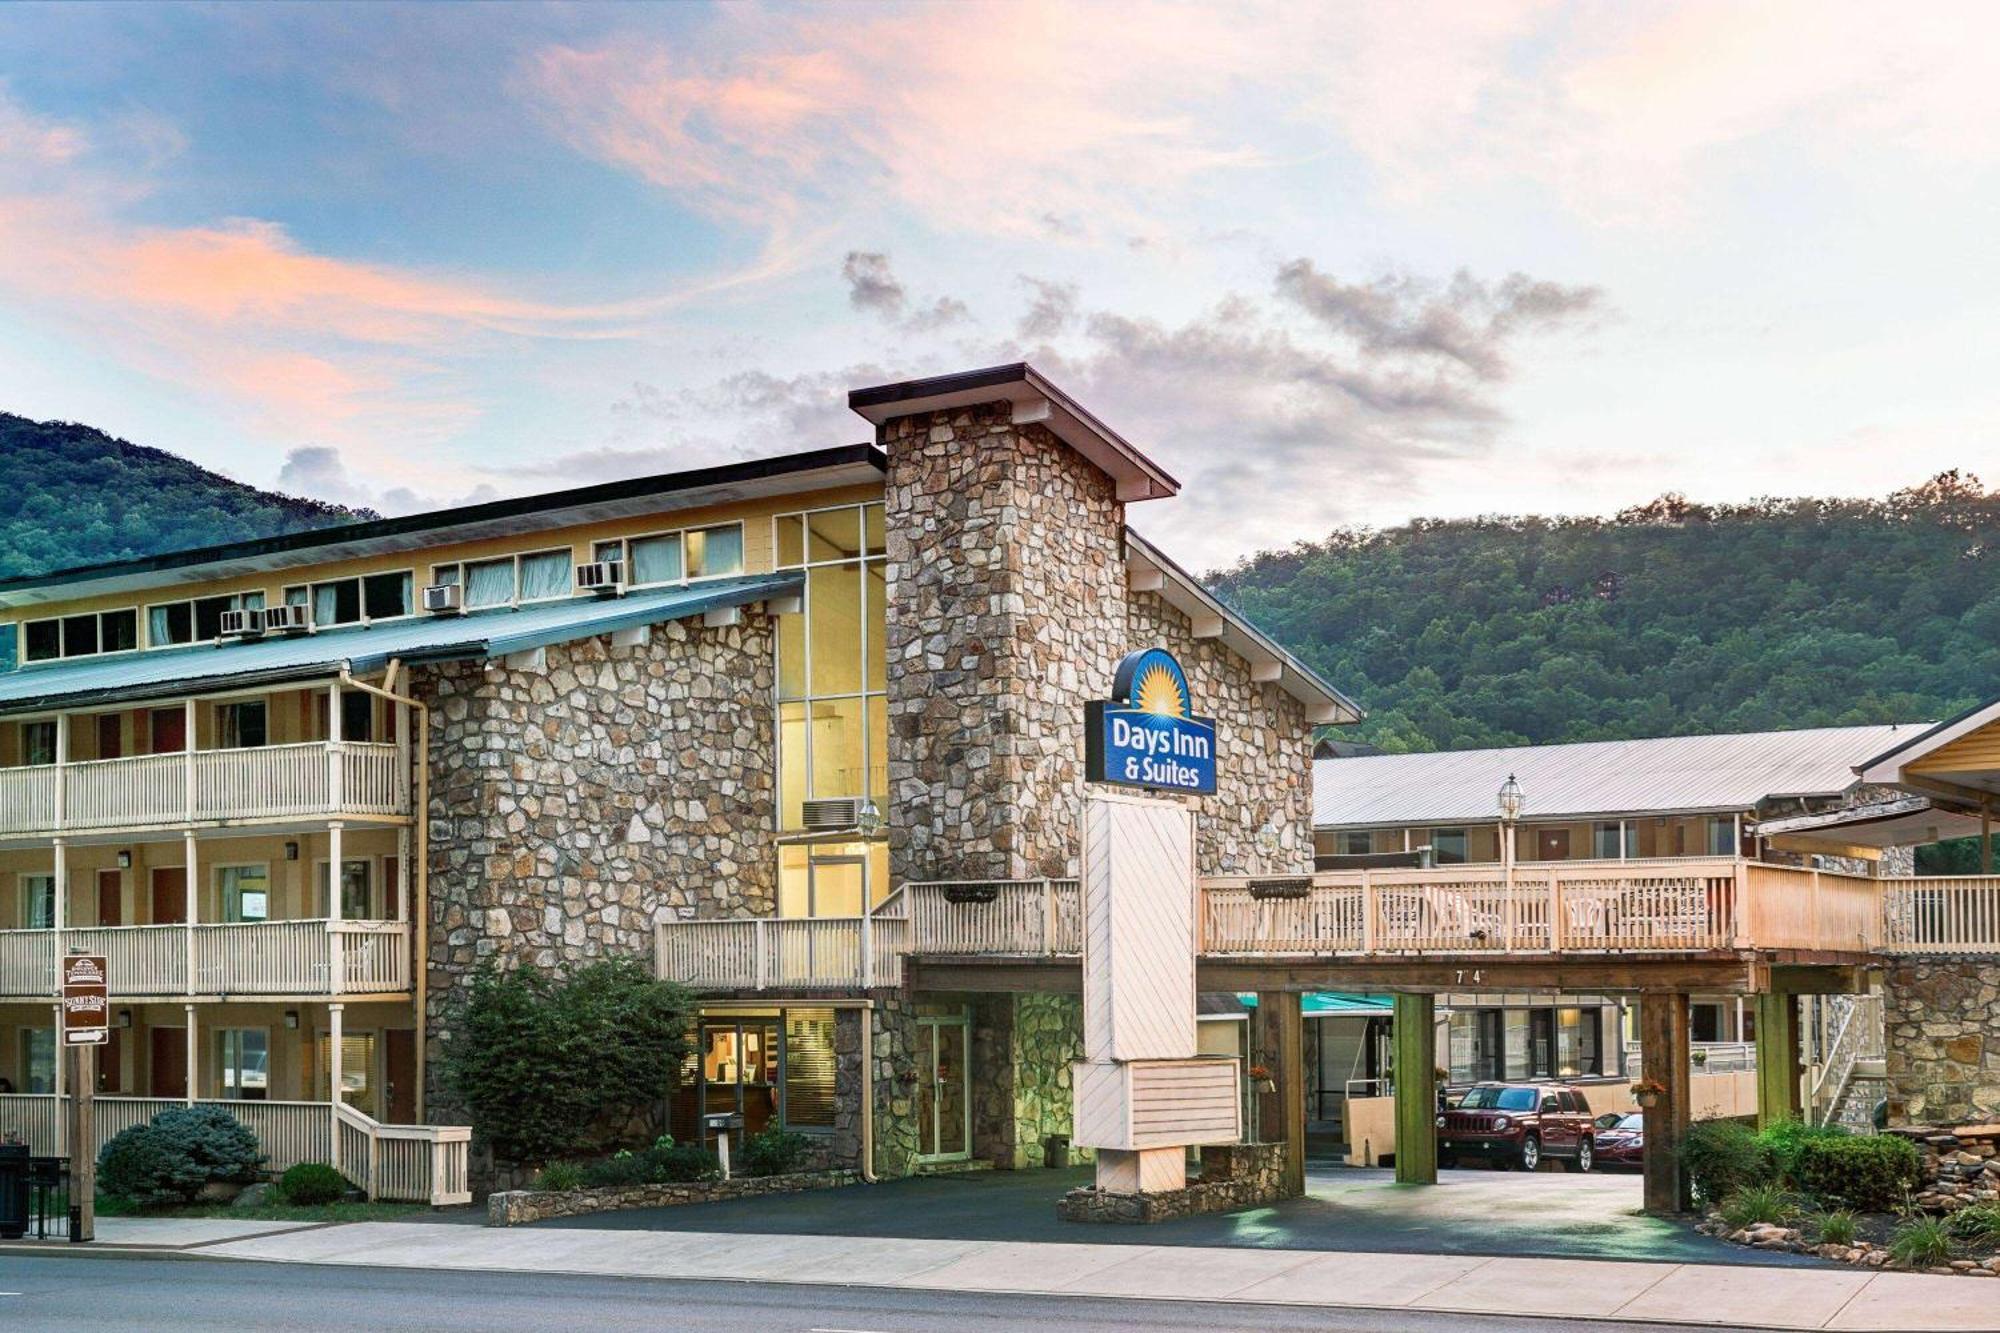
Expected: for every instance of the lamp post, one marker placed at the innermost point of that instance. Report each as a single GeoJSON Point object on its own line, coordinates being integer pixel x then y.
{"type": "Point", "coordinates": [1511, 800]}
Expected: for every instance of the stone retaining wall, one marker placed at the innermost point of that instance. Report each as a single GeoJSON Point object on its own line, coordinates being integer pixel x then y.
{"type": "Point", "coordinates": [513, 1208]}
{"type": "Point", "coordinates": [1941, 1020]}
{"type": "Point", "coordinates": [1233, 1176]}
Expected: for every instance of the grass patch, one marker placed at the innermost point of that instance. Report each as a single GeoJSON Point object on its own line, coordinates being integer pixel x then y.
{"type": "Point", "coordinates": [1922, 1243]}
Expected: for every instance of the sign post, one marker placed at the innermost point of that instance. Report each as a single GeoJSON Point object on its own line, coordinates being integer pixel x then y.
{"type": "Point", "coordinates": [86, 1025]}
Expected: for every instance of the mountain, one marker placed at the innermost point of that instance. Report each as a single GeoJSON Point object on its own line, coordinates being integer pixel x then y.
{"type": "Point", "coordinates": [76, 496]}
{"type": "Point", "coordinates": [1670, 618]}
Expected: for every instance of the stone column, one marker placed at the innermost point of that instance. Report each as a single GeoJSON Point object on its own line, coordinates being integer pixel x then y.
{"type": "Point", "coordinates": [1663, 1048]}
{"type": "Point", "coordinates": [1416, 1089]}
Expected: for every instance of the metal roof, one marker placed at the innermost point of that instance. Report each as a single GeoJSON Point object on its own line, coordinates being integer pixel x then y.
{"type": "Point", "coordinates": [158, 674]}
{"type": "Point", "coordinates": [1665, 775]}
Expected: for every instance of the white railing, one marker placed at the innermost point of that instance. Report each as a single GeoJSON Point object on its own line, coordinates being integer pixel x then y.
{"type": "Point", "coordinates": [1857, 1036]}
{"type": "Point", "coordinates": [310, 957]}
{"type": "Point", "coordinates": [404, 1163]}
{"type": "Point", "coordinates": [780, 953]}
{"type": "Point", "coordinates": [1955, 914]}
{"type": "Point", "coordinates": [1035, 918]}
{"type": "Point", "coordinates": [200, 786]}
{"type": "Point", "coordinates": [35, 1119]}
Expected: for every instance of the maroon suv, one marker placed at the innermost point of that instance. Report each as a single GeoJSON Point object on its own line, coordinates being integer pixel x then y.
{"type": "Point", "coordinates": [1517, 1124]}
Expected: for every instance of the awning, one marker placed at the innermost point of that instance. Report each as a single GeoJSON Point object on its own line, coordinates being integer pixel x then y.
{"type": "Point", "coordinates": [164, 673]}
{"type": "Point", "coordinates": [1334, 1004]}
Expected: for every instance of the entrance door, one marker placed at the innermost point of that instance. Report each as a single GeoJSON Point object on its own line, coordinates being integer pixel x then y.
{"type": "Point", "coordinates": [944, 1104]}
{"type": "Point", "coordinates": [110, 897]}
{"type": "Point", "coordinates": [399, 1057]}
{"type": "Point", "coordinates": [1552, 844]}
{"type": "Point", "coordinates": [169, 730]}
{"type": "Point", "coordinates": [169, 895]}
{"type": "Point", "coordinates": [110, 735]}
{"type": "Point", "coordinates": [169, 1064]}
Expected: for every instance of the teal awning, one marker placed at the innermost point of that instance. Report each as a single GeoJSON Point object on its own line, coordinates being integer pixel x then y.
{"type": "Point", "coordinates": [162, 673]}
{"type": "Point", "coordinates": [1333, 1004]}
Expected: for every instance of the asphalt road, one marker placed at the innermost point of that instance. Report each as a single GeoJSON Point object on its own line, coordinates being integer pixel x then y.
{"type": "Point", "coordinates": [110, 1293]}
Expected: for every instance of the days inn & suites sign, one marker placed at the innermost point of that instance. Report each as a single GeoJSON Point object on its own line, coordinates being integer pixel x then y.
{"type": "Point", "coordinates": [1146, 734]}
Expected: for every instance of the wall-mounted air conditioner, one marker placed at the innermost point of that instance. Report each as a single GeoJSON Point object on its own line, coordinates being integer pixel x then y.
{"type": "Point", "coordinates": [245, 624]}
{"type": "Point", "coordinates": [292, 618]}
{"type": "Point", "coordinates": [833, 813]}
{"type": "Point", "coordinates": [444, 599]}
{"type": "Point", "coordinates": [600, 576]}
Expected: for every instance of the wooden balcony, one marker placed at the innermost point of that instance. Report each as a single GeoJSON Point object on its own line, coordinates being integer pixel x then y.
{"type": "Point", "coordinates": [312, 780]}
{"type": "Point", "coordinates": [304, 958]}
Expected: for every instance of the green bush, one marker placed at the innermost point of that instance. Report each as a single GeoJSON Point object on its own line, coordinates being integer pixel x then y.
{"type": "Point", "coordinates": [550, 1066]}
{"type": "Point", "coordinates": [1759, 1203]}
{"type": "Point", "coordinates": [169, 1160]}
{"type": "Point", "coordinates": [1722, 1157]}
{"type": "Point", "coordinates": [1923, 1243]}
{"type": "Point", "coordinates": [1784, 1139]}
{"type": "Point", "coordinates": [560, 1176]}
{"type": "Point", "coordinates": [1837, 1228]}
{"type": "Point", "coordinates": [625, 1168]}
{"type": "Point", "coordinates": [1873, 1173]}
{"type": "Point", "coordinates": [1979, 1224]}
{"type": "Point", "coordinates": [665, 1163]}
{"type": "Point", "coordinates": [310, 1184]}
{"type": "Point", "coordinates": [679, 1163]}
{"type": "Point", "coordinates": [774, 1152]}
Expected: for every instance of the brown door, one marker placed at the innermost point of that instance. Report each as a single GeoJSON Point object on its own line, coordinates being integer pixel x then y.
{"type": "Point", "coordinates": [169, 730]}
{"type": "Point", "coordinates": [170, 1065]}
{"type": "Point", "coordinates": [1552, 844]}
{"type": "Point", "coordinates": [170, 905]}
{"type": "Point", "coordinates": [110, 897]}
{"type": "Point", "coordinates": [390, 888]}
{"type": "Point", "coordinates": [110, 735]}
{"type": "Point", "coordinates": [400, 1057]}
{"type": "Point", "coordinates": [111, 1063]}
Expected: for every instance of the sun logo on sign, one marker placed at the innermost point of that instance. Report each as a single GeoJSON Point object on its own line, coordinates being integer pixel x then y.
{"type": "Point", "coordinates": [1157, 686]}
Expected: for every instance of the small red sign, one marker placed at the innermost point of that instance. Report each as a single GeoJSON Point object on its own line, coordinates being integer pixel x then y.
{"type": "Point", "coordinates": [86, 1000]}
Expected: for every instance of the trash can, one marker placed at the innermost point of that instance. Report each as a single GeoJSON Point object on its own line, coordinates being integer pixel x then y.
{"type": "Point", "coordinates": [13, 1190]}
{"type": "Point", "coordinates": [1055, 1151]}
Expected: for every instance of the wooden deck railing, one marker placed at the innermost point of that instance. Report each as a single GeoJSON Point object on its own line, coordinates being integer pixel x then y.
{"type": "Point", "coordinates": [308, 957]}
{"type": "Point", "coordinates": [1034, 918]}
{"type": "Point", "coordinates": [310, 779]}
{"type": "Point", "coordinates": [1957, 914]}
{"type": "Point", "coordinates": [403, 1163]}
{"type": "Point", "coordinates": [802, 953]}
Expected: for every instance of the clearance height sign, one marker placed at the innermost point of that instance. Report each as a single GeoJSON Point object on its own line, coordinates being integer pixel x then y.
{"type": "Point", "coordinates": [1146, 734]}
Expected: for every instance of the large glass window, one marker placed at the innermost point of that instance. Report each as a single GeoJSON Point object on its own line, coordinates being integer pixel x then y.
{"type": "Point", "coordinates": [657, 559]}
{"type": "Point", "coordinates": [831, 878]}
{"type": "Point", "coordinates": [356, 902]}
{"type": "Point", "coordinates": [1611, 840]}
{"type": "Point", "coordinates": [38, 743]}
{"type": "Point", "coordinates": [38, 1060]}
{"type": "Point", "coordinates": [774, 1067]}
{"type": "Point", "coordinates": [712, 552]}
{"type": "Point", "coordinates": [82, 635]}
{"type": "Point", "coordinates": [244, 1066]}
{"type": "Point", "coordinates": [241, 726]}
{"type": "Point", "coordinates": [1721, 835]}
{"type": "Point", "coordinates": [246, 892]}
{"type": "Point", "coordinates": [38, 902]}
{"type": "Point", "coordinates": [1448, 846]}
{"type": "Point", "coordinates": [489, 582]}
{"type": "Point", "coordinates": [832, 661]}
{"type": "Point", "coordinates": [545, 574]}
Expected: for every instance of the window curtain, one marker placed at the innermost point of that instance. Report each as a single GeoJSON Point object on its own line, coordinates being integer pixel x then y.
{"type": "Point", "coordinates": [545, 575]}
{"type": "Point", "coordinates": [656, 560]}
{"type": "Point", "coordinates": [158, 630]}
{"type": "Point", "coordinates": [721, 550]}
{"type": "Point", "coordinates": [489, 583]}
{"type": "Point", "coordinates": [41, 905]}
{"type": "Point", "coordinates": [326, 603]}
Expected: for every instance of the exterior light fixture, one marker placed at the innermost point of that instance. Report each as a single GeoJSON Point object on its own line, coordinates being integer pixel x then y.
{"type": "Point", "coordinates": [868, 820]}
{"type": "Point", "coordinates": [1269, 840]}
{"type": "Point", "coordinates": [124, 1018]}
{"type": "Point", "coordinates": [291, 1018]}
{"type": "Point", "coordinates": [124, 860]}
{"type": "Point", "coordinates": [291, 851]}
{"type": "Point", "coordinates": [1511, 799]}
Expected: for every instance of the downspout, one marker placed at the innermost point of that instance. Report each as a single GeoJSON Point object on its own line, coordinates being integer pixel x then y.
{"type": "Point", "coordinates": [420, 881]}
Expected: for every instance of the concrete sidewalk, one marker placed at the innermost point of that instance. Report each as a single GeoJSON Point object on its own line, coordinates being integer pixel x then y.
{"type": "Point", "coordinates": [1786, 1298]}
{"type": "Point", "coordinates": [170, 1233]}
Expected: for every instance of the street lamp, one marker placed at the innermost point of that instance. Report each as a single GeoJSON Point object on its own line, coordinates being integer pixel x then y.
{"type": "Point", "coordinates": [1511, 800]}
{"type": "Point", "coordinates": [868, 819]}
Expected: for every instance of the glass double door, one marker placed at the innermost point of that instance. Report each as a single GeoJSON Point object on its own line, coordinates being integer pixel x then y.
{"type": "Point", "coordinates": [944, 1103]}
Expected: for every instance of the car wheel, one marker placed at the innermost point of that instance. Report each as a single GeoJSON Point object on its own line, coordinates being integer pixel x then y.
{"type": "Point", "coordinates": [1584, 1155]}
{"type": "Point", "coordinates": [1531, 1153]}
{"type": "Point", "coordinates": [1447, 1162]}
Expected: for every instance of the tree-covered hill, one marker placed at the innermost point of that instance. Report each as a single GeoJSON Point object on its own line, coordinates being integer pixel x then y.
{"type": "Point", "coordinates": [1670, 618]}
{"type": "Point", "coordinates": [71, 495]}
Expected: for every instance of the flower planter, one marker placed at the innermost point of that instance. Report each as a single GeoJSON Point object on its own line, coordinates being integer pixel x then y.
{"type": "Point", "coordinates": [970, 893]}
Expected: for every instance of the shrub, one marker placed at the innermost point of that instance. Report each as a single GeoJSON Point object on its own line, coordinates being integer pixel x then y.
{"type": "Point", "coordinates": [1837, 1228]}
{"type": "Point", "coordinates": [625, 1168]}
{"type": "Point", "coordinates": [1784, 1139]}
{"type": "Point", "coordinates": [1873, 1174]}
{"type": "Point", "coordinates": [1923, 1243]}
{"type": "Point", "coordinates": [1758, 1203]}
{"type": "Point", "coordinates": [310, 1184]}
{"type": "Point", "coordinates": [548, 1065]}
{"type": "Point", "coordinates": [560, 1176]}
{"type": "Point", "coordinates": [774, 1152]}
{"type": "Point", "coordinates": [678, 1163]}
{"type": "Point", "coordinates": [169, 1160]}
{"type": "Point", "coordinates": [1722, 1157]}
{"type": "Point", "coordinates": [1979, 1224]}
{"type": "Point", "coordinates": [665, 1163]}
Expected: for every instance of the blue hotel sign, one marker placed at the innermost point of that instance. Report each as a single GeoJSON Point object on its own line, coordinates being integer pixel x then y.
{"type": "Point", "coordinates": [1146, 734]}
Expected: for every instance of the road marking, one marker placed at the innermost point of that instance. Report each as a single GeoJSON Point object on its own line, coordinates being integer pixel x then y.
{"type": "Point", "coordinates": [810, 1330]}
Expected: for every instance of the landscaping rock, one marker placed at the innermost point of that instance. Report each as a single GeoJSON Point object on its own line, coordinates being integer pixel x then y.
{"type": "Point", "coordinates": [254, 1196]}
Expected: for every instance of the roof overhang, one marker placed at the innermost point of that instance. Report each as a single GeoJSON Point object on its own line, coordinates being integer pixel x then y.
{"type": "Point", "coordinates": [1902, 822]}
{"type": "Point", "coordinates": [1891, 767]}
{"type": "Point", "coordinates": [1488, 817]}
{"type": "Point", "coordinates": [1147, 569]}
{"type": "Point", "coordinates": [820, 469]}
{"type": "Point", "coordinates": [1034, 401]}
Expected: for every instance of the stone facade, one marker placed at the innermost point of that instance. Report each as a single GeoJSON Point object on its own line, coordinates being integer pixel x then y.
{"type": "Point", "coordinates": [1941, 1017]}
{"type": "Point", "coordinates": [513, 1208]}
{"type": "Point", "coordinates": [1233, 1176]}
{"type": "Point", "coordinates": [574, 804]}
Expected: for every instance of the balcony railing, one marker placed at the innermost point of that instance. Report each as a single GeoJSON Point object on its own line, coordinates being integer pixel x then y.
{"type": "Point", "coordinates": [310, 957]}
{"type": "Point", "coordinates": [804, 954]}
{"type": "Point", "coordinates": [316, 778]}
{"type": "Point", "coordinates": [407, 1163]}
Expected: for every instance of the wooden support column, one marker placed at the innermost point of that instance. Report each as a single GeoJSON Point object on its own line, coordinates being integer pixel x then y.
{"type": "Point", "coordinates": [1778, 1067]}
{"type": "Point", "coordinates": [1985, 837]}
{"type": "Point", "coordinates": [59, 908]}
{"type": "Point", "coordinates": [193, 1056]}
{"type": "Point", "coordinates": [1416, 1089]}
{"type": "Point", "coordinates": [334, 1074]}
{"type": "Point", "coordinates": [1663, 1048]}
{"type": "Point", "coordinates": [1281, 1115]}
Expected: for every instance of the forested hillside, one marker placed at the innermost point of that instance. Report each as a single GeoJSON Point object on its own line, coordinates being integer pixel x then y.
{"type": "Point", "coordinates": [71, 495]}
{"type": "Point", "coordinates": [1669, 618]}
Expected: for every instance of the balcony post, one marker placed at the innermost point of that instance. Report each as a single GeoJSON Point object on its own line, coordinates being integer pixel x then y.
{"type": "Point", "coordinates": [56, 1080]}
{"type": "Point", "coordinates": [187, 762]}
{"type": "Point", "coordinates": [333, 1076]}
{"type": "Point", "coordinates": [333, 768]}
{"type": "Point", "coordinates": [867, 947]}
{"type": "Point", "coordinates": [192, 862]}
{"type": "Point", "coordinates": [760, 938]}
{"type": "Point", "coordinates": [1415, 1025]}
{"type": "Point", "coordinates": [335, 882]}
{"type": "Point", "coordinates": [1049, 919]}
{"type": "Point", "coordinates": [59, 908]}
{"type": "Point", "coordinates": [1367, 912]}
{"type": "Point", "coordinates": [402, 715]}
{"type": "Point", "coordinates": [1663, 1051]}
{"type": "Point", "coordinates": [193, 1054]}
{"type": "Point", "coordinates": [62, 765]}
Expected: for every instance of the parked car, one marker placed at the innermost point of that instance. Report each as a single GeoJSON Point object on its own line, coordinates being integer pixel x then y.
{"type": "Point", "coordinates": [1620, 1140]}
{"type": "Point", "coordinates": [1517, 1125]}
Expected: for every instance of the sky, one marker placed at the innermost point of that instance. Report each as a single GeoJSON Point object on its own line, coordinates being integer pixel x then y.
{"type": "Point", "coordinates": [1330, 265]}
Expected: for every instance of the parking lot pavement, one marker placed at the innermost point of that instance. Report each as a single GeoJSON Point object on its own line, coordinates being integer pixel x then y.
{"type": "Point", "coordinates": [1470, 1212]}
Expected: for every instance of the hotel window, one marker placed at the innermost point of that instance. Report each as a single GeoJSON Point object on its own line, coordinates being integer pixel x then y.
{"type": "Point", "coordinates": [38, 743]}
{"type": "Point", "coordinates": [80, 636]}
{"type": "Point", "coordinates": [1448, 846]}
{"type": "Point", "coordinates": [244, 1067]}
{"type": "Point", "coordinates": [1356, 842]}
{"type": "Point", "coordinates": [38, 1061]}
{"type": "Point", "coordinates": [245, 892]}
{"type": "Point", "coordinates": [38, 902]}
{"type": "Point", "coordinates": [355, 601]}
{"type": "Point", "coordinates": [831, 878]}
{"type": "Point", "coordinates": [356, 901]}
{"type": "Point", "coordinates": [509, 580]}
{"type": "Point", "coordinates": [241, 726]}
{"type": "Point", "coordinates": [1606, 839]}
{"type": "Point", "coordinates": [1721, 835]}
{"type": "Point", "coordinates": [832, 661]}
{"type": "Point", "coordinates": [676, 557]}
{"type": "Point", "coordinates": [195, 621]}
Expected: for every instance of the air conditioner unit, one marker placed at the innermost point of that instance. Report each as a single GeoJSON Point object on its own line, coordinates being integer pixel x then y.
{"type": "Point", "coordinates": [444, 599]}
{"type": "Point", "coordinates": [292, 618]}
{"type": "Point", "coordinates": [245, 624]}
{"type": "Point", "coordinates": [600, 576]}
{"type": "Point", "coordinates": [839, 812]}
